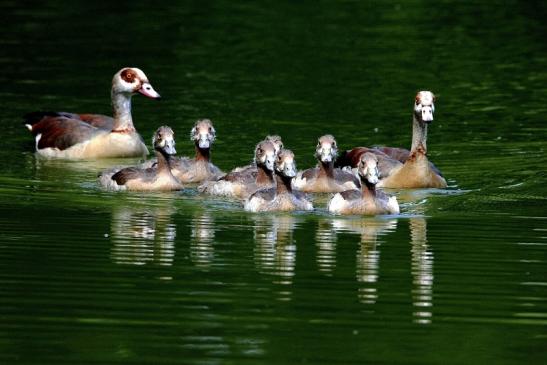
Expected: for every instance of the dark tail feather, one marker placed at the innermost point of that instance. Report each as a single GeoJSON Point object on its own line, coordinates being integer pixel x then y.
{"type": "Point", "coordinates": [34, 117]}
{"type": "Point", "coordinates": [342, 160]}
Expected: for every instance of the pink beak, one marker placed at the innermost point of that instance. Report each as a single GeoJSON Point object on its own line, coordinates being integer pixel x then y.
{"type": "Point", "coordinates": [148, 91]}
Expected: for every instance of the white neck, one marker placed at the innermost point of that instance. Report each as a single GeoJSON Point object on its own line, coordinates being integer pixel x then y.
{"type": "Point", "coordinates": [121, 103]}
{"type": "Point", "coordinates": [419, 134]}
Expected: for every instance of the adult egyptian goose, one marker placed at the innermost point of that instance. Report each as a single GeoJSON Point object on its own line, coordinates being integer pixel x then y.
{"type": "Point", "coordinates": [81, 136]}
{"type": "Point", "coordinates": [281, 197]}
{"type": "Point", "coordinates": [241, 183]}
{"type": "Point", "coordinates": [368, 200]}
{"type": "Point", "coordinates": [157, 178]}
{"type": "Point", "coordinates": [400, 168]}
{"type": "Point", "coordinates": [325, 178]}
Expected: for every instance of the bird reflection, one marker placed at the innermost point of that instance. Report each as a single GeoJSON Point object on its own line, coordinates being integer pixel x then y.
{"type": "Point", "coordinates": [368, 253]}
{"type": "Point", "coordinates": [201, 239]}
{"type": "Point", "coordinates": [422, 271]}
{"type": "Point", "coordinates": [143, 235]}
{"type": "Point", "coordinates": [325, 238]}
{"type": "Point", "coordinates": [275, 249]}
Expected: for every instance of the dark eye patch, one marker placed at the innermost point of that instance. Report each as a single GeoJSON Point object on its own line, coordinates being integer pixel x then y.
{"type": "Point", "coordinates": [128, 75]}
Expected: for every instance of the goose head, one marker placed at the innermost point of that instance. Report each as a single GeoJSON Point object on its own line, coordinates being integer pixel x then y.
{"type": "Point", "coordinates": [285, 164]}
{"type": "Point", "coordinates": [326, 150]}
{"type": "Point", "coordinates": [368, 168]}
{"type": "Point", "coordinates": [203, 133]}
{"type": "Point", "coordinates": [424, 106]}
{"type": "Point", "coordinates": [164, 140]}
{"type": "Point", "coordinates": [277, 142]}
{"type": "Point", "coordinates": [131, 80]}
{"type": "Point", "coordinates": [265, 154]}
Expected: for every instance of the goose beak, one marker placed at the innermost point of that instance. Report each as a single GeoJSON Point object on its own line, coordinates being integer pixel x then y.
{"type": "Point", "coordinates": [372, 175]}
{"type": "Point", "coordinates": [289, 170]}
{"type": "Point", "coordinates": [169, 147]}
{"type": "Point", "coordinates": [427, 114]}
{"type": "Point", "coordinates": [147, 90]}
{"type": "Point", "coordinates": [204, 142]}
{"type": "Point", "coordinates": [269, 163]}
{"type": "Point", "coordinates": [327, 154]}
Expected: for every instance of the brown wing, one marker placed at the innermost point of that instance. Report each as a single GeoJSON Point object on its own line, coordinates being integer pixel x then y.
{"type": "Point", "coordinates": [267, 194]}
{"type": "Point", "coordinates": [344, 176]}
{"type": "Point", "coordinates": [351, 194]}
{"type": "Point", "coordinates": [132, 173]}
{"type": "Point", "coordinates": [351, 157]}
{"type": "Point", "coordinates": [310, 173]}
{"type": "Point", "coordinates": [246, 176]}
{"type": "Point", "coordinates": [98, 120]}
{"type": "Point", "coordinates": [59, 131]}
{"type": "Point", "coordinates": [399, 154]}
{"type": "Point", "coordinates": [95, 120]}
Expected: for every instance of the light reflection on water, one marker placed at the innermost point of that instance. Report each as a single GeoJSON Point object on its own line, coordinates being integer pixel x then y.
{"type": "Point", "coordinates": [202, 236]}
{"type": "Point", "coordinates": [325, 238]}
{"type": "Point", "coordinates": [283, 289]}
{"type": "Point", "coordinates": [142, 235]}
{"type": "Point", "coordinates": [367, 270]}
{"type": "Point", "coordinates": [275, 249]}
{"type": "Point", "coordinates": [147, 235]}
{"type": "Point", "coordinates": [422, 271]}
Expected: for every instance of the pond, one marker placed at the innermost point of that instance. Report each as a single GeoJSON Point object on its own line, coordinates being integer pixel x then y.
{"type": "Point", "coordinates": [459, 277]}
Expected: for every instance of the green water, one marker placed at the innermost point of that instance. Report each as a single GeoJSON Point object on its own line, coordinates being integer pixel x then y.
{"type": "Point", "coordinates": [460, 277]}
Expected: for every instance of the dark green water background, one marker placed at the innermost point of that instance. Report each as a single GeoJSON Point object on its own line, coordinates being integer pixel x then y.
{"type": "Point", "coordinates": [460, 277]}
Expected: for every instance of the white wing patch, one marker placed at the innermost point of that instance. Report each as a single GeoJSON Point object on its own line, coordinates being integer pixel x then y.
{"type": "Point", "coordinates": [336, 204]}
{"type": "Point", "coordinates": [253, 204]}
{"type": "Point", "coordinates": [298, 182]}
{"type": "Point", "coordinates": [393, 205]}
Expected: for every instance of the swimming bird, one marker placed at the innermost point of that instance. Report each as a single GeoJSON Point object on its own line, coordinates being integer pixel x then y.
{"type": "Point", "coordinates": [281, 197]}
{"type": "Point", "coordinates": [325, 178]}
{"type": "Point", "coordinates": [251, 168]}
{"type": "Point", "coordinates": [81, 136]}
{"type": "Point", "coordinates": [241, 183]}
{"type": "Point", "coordinates": [199, 168]}
{"type": "Point", "coordinates": [368, 200]}
{"type": "Point", "coordinates": [158, 178]}
{"type": "Point", "coordinates": [400, 168]}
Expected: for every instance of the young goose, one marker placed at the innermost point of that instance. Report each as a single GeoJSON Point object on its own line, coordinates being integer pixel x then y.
{"type": "Point", "coordinates": [281, 197]}
{"type": "Point", "coordinates": [199, 168]}
{"type": "Point", "coordinates": [241, 184]}
{"type": "Point", "coordinates": [79, 136]}
{"type": "Point", "coordinates": [325, 178]}
{"type": "Point", "coordinates": [400, 168]}
{"type": "Point", "coordinates": [152, 178]}
{"type": "Point", "coordinates": [251, 168]}
{"type": "Point", "coordinates": [368, 200]}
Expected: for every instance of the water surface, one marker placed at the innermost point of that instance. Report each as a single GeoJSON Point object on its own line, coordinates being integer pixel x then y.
{"type": "Point", "coordinates": [88, 276]}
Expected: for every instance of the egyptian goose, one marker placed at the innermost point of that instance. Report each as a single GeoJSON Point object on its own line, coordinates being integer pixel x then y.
{"type": "Point", "coordinates": [81, 136]}
{"type": "Point", "coordinates": [199, 168]}
{"type": "Point", "coordinates": [400, 168]}
{"type": "Point", "coordinates": [242, 183]}
{"type": "Point", "coordinates": [368, 200]}
{"type": "Point", "coordinates": [281, 197]}
{"type": "Point", "coordinates": [325, 178]}
{"type": "Point", "coordinates": [157, 178]}
{"type": "Point", "coordinates": [251, 168]}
